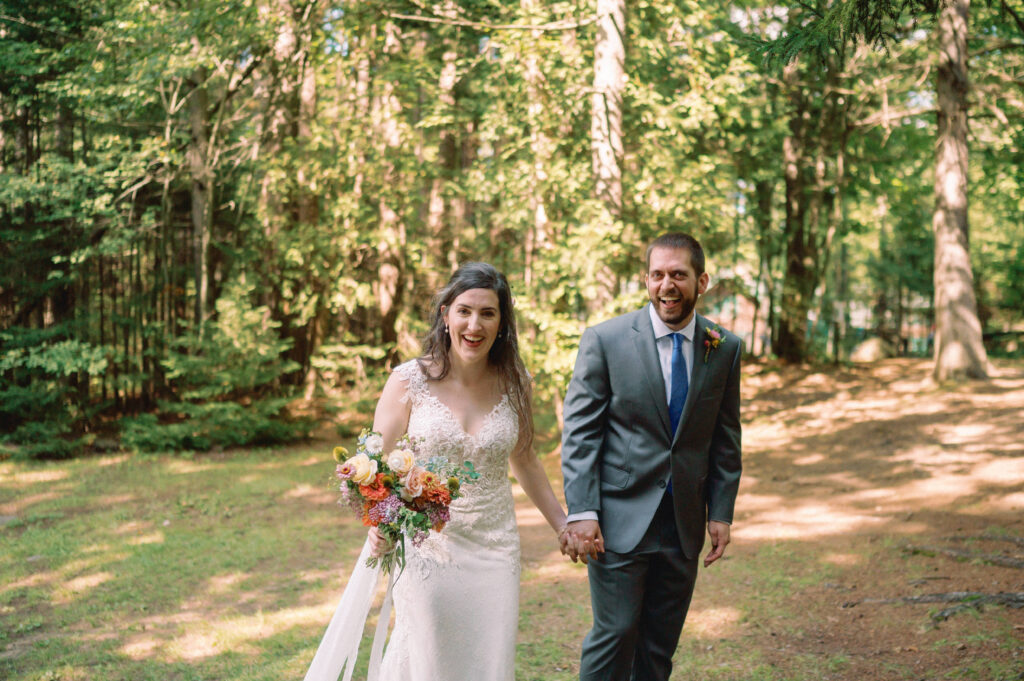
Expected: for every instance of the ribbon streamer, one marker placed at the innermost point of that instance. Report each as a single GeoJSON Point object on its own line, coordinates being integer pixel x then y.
{"type": "Point", "coordinates": [340, 645]}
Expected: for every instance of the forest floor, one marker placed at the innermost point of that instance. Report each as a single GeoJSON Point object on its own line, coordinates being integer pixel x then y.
{"type": "Point", "coordinates": [879, 535]}
{"type": "Point", "coordinates": [879, 522]}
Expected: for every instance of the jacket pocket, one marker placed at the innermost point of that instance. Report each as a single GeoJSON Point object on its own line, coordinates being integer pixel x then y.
{"type": "Point", "coordinates": [614, 476]}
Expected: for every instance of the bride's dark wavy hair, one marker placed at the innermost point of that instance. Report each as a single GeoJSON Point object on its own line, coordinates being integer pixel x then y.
{"type": "Point", "coordinates": [504, 354]}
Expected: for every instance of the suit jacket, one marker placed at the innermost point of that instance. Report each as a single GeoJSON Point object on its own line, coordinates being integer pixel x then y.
{"type": "Point", "coordinates": [617, 449]}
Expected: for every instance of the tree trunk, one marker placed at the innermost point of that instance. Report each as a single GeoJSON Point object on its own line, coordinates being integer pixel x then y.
{"type": "Point", "coordinates": [441, 214]}
{"type": "Point", "coordinates": [797, 285]}
{"type": "Point", "coordinates": [959, 352]}
{"type": "Point", "coordinates": [606, 129]}
{"type": "Point", "coordinates": [537, 238]}
{"type": "Point", "coordinates": [201, 189]}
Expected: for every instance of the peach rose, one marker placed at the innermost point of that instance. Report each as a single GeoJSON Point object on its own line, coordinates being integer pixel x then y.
{"type": "Point", "coordinates": [412, 486]}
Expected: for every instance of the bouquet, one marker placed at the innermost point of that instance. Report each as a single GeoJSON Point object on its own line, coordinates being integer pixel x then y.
{"type": "Point", "coordinates": [403, 499]}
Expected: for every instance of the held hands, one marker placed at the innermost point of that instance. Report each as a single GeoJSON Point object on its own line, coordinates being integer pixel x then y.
{"type": "Point", "coordinates": [719, 533]}
{"type": "Point", "coordinates": [581, 540]}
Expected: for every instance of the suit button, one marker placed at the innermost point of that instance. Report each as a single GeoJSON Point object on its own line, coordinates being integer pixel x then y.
{"type": "Point", "coordinates": [661, 484]}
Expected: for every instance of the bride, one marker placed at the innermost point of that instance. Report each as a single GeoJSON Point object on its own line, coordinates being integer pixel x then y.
{"type": "Point", "coordinates": [467, 398]}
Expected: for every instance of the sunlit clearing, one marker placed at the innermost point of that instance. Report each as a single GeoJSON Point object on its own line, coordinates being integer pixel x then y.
{"type": "Point", "coordinates": [32, 477]}
{"type": "Point", "coordinates": [712, 622]}
{"type": "Point", "coordinates": [116, 499]}
{"type": "Point", "coordinates": [224, 583]}
{"type": "Point", "coordinates": [553, 569]}
{"type": "Point", "coordinates": [236, 635]}
{"type": "Point", "coordinates": [272, 465]}
{"type": "Point", "coordinates": [112, 460]}
{"type": "Point", "coordinates": [68, 591]}
{"type": "Point", "coordinates": [842, 559]}
{"type": "Point", "coordinates": [811, 521]}
{"type": "Point", "coordinates": [151, 538]}
{"type": "Point", "coordinates": [529, 516]}
{"type": "Point", "coordinates": [305, 492]}
{"type": "Point", "coordinates": [133, 526]}
{"type": "Point", "coordinates": [809, 460]}
{"type": "Point", "coordinates": [141, 647]}
{"type": "Point", "coordinates": [18, 506]}
{"type": "Point", "coordinates": [185, 467]}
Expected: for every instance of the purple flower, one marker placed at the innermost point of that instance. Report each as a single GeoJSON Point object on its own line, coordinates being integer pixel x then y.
{"type": "Point", "coordinates": [438, 515]}
{"type": "Point", "coordinates": [420, 537]}
{"type": "Point", "coordinates": [386, 511]}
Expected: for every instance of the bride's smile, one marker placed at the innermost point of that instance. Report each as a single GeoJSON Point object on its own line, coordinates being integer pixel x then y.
{"type": "Point", "coordinates": [474, 320]}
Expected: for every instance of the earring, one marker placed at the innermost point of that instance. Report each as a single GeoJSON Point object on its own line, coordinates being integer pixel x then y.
{"type": "Point", "coordinates": [446, 328]}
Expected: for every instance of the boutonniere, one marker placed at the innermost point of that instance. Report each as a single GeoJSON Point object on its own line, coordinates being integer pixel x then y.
{"type": "Point", "coordinates": [713, 340]}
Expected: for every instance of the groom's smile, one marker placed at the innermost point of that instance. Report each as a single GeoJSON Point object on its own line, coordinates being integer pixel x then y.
{"type": "Point", "coordinates": [673, 285]}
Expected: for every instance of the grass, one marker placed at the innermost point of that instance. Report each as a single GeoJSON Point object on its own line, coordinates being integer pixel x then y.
{"type": "Point", "coordinates": [229, 567]}
{"type": "Point", "coordinates": [167, 568]}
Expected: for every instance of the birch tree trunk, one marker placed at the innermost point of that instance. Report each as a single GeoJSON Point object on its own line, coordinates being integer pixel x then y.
{"type": "Point", "coordinates": [606, 128]}
{"type": "Point", "coordinates": [959, 352]}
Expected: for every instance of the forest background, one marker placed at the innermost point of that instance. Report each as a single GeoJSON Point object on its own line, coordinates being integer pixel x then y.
{"type": "Point", "coordinates": [215, 213]}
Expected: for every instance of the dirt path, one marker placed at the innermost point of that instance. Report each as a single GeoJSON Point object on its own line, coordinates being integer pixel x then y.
{"type": "Point", "coordinates": [864, 488]}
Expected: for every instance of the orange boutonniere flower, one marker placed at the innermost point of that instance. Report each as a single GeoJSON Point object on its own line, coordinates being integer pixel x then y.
{"type": "Point", "coordinates": [712, 341]}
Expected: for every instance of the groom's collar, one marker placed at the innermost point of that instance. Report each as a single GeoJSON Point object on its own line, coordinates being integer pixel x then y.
{"type": "Point", "coordinates": [661, 329]}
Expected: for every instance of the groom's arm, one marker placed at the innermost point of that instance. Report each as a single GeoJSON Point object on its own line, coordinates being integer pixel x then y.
{"type": "Point", "coordinates": [724, 455]}
{"type": "Point", "coordinates": [586, 402]}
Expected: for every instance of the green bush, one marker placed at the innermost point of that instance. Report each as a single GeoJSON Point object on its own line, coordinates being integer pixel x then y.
{"type": "Point", "coordinates": [227, 380]}
{"type": "Point", "coordinates": [40, 408]}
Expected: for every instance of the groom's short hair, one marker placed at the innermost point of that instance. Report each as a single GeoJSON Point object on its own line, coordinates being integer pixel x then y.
{"type": "Point", "coordinates": [680, 240]}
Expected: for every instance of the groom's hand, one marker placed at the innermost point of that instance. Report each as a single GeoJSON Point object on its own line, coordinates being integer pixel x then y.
{"type": "Point", "coordinates": [719, 532]}
{"type": "Point", "coordinates": [586, 539]}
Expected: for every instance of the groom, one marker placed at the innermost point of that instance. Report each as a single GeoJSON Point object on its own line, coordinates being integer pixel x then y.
{"type": "Point", "coordinates": [650, 452]}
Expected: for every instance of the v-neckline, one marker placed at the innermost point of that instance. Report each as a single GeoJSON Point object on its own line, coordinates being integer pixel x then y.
{"type": "Point", "coordinates": [483, 422]}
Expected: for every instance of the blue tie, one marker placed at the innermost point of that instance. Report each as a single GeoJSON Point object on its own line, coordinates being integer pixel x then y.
{"type": "Point", "coordinates": [680, 383]}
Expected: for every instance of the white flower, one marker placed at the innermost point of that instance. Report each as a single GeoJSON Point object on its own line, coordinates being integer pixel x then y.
{"type": "Point", "coordinates": [401, 461]}
{"type": "Point", "coordinates": [365, 469]}
{"type": "Point", "coordinates": [374, 444]}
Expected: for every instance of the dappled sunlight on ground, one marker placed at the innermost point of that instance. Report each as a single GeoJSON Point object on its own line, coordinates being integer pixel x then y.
{"type": "Point", "coordinates": [117, 499]}
{"type": "Point", "coordinates": [21, 504]}
{"type": "Point", "coordinates": [187, 467]}
{"type": "Point", "coordinates": [713, 623]}
{"type": "Point", "coordinates": [22, 478]}
{"type": "Point", "coordinates": [887, 444]}
{"type": "Point", "coordinates": [66, 591]}
{"type": "Point", "coordinates": [847, 559]}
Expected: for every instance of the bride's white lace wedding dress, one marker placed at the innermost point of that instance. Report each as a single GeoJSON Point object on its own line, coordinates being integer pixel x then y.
{"type": "Point", "coordinates": [457, 602]}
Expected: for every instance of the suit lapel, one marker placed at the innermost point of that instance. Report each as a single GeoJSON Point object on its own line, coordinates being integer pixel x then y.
{"type": "Point", "coordinates": [647, 351]}
{"type": "Point", "coordinates": [698, 373]}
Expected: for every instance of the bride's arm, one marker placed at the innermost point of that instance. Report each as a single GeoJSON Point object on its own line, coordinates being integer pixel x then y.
{"type": "Point", "coordinates": [529, 471]}
{"type": "Point", "coordinates": [391, 419]}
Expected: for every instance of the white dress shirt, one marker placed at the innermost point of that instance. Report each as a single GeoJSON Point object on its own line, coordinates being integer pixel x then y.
{"type": "Point", "coordinates": [663, 341]}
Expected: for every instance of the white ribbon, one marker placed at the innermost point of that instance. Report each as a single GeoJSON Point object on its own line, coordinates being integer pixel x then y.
{"type": "Point", "coordinates": [340, 645]}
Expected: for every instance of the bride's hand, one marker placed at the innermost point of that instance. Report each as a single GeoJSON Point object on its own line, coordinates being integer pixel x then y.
{"type": "Point", "coordinates": [379, 545]}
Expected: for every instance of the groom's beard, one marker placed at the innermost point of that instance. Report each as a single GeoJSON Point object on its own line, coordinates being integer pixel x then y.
{"type": "Point", "coordinates": [687, 303]}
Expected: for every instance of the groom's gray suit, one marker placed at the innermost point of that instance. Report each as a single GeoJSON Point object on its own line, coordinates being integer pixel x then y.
{"type": "Point", "coordinates": [618, 458]}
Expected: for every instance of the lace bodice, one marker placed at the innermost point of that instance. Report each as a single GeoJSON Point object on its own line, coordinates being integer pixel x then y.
{"type": "Point", "coordinates": [485, 513]}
